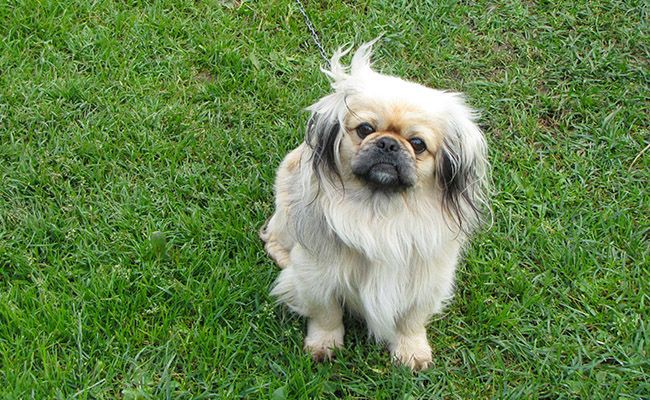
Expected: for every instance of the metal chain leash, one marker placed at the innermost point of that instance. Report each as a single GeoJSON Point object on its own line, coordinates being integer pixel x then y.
{"type": "Point", "coordinates": [313, 32]}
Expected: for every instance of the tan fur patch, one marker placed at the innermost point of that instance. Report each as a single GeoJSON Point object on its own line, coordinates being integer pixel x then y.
{"type": "Point", "coordinates": [293, 161]}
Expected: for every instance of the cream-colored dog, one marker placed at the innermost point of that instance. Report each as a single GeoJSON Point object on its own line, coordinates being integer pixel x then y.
{"type": "Point", "coordinates": [374, 208]}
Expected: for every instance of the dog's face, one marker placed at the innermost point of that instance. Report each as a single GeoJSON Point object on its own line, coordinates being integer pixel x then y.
{"type": "Point", "coordinates": [384, 134]}
{"type": "Point", "coordinates": [388, 146]}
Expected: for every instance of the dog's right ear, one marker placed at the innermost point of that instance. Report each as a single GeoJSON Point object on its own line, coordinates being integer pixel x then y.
{"type": "Point", "coordinates": [323, 136]}
{"type": "Point", "coordinates": [324, 128]}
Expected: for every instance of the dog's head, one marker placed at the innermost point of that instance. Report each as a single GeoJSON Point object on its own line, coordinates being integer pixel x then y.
{"type": "Point", "coordinates": [386, 134]}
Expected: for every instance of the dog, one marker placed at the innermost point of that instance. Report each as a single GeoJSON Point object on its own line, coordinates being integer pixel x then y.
{"type": "Point", "coordinates": [374, 208]}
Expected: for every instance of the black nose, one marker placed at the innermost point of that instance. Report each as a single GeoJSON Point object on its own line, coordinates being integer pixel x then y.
{"type": "Point", "coordinates": [387, 144]}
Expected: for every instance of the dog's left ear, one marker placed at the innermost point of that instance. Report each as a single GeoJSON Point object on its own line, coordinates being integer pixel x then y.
{"type": "Point", "coordinates": [463, 171]}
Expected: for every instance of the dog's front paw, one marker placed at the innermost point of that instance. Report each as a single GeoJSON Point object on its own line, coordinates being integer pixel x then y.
{"type": "Point", "coordinates": [321, 343]}
{"type": "Point", "coordinates": [412, 351]}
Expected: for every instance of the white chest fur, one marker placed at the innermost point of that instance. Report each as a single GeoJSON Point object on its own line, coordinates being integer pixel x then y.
{"type": "Point", "coordinates": [388, 259]}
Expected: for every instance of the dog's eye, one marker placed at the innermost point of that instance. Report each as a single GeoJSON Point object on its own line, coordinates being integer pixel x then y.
{"type": "Point", "coordinates": [418, 145]}
{"type": "Point", "coordinates": [364, 130]}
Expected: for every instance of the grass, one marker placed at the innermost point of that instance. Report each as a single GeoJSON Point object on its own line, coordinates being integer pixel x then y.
{"type": "Point", "coordinates": [138, 145]}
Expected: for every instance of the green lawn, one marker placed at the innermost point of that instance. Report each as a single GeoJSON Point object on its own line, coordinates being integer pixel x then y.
{"type": "Point", "coordinates": [138, 146]}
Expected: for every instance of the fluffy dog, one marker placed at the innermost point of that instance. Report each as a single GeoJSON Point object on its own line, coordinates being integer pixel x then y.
{"type": "Point", "coordinates": [374, 208]}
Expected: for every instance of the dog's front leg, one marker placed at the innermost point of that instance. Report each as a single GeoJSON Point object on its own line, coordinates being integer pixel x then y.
{"type": "Point", "coordinates": [324, 330]}
{"type": "Point", "coordinates": [410, 346]}
{"type": "Point", "coordinates": [305, 286]}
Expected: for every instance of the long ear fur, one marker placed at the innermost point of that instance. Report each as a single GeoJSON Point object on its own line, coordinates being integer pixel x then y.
{"type": "Point", "coordinates": [324, 138]}
{"type": "Point", "coordinates": [463, 172]}
{"type": "Point", "coordinates": [324, 133]}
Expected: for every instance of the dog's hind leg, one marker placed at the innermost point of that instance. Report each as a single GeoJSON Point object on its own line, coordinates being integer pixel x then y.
{"type": "Point", "coordinates": [276, 246]}
{"type": "Point", "coordinates": [275, 233]}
